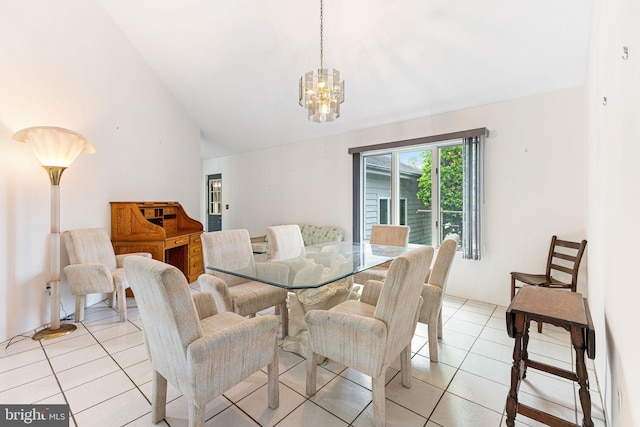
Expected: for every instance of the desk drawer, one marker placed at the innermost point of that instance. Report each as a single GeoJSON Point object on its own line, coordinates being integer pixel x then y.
{"type": "Point", "coordinates": [195, 265]}
{"type": "Point", "coordinates": [195, 250]}
{"type": "Point", "coordinates": [176, 241]}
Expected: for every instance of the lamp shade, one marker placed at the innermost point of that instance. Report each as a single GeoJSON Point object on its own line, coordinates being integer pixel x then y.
{"type": "Point", "coordinates": [54, 146]}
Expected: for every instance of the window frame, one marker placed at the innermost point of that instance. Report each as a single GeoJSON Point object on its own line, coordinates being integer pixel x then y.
{"type": "Point", "coordinates": [357, 154]}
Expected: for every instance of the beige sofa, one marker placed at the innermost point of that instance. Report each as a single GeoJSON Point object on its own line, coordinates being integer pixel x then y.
{"type": "Point", "coordinates": [311, 234]}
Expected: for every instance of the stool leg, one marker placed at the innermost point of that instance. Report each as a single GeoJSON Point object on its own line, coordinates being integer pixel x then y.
{"type": "Point", "coordinates": [525, 345]}
{"type": "Point", "coordinates": [516, 370]}
{"type": "Point", "coordinates": [577, 338]}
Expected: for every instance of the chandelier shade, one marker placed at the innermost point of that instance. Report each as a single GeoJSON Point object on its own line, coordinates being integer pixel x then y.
{"type": "Point", "coordinates": [321, 92]}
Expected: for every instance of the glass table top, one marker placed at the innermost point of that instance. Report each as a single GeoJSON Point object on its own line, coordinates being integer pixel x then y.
{"type": "Point", "coordinates": [317, 266]}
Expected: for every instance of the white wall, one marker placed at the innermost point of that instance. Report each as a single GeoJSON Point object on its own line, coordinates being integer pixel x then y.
{"type": "Point", "coordinates": [614, 203]}
{"type": "Point", "coordinates": [534, 175]}
{"type": "Point", "coordinates": [66, 64]}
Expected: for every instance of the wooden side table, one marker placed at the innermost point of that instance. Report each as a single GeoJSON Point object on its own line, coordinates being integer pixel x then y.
{"type": "Point", "coordinates": [567, 310]}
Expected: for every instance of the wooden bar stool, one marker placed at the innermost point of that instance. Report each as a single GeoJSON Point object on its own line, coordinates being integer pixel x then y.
{"type": "Point", "coordinates": [567, 310]}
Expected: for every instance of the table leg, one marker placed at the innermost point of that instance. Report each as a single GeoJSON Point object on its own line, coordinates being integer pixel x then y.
{"type": "Point", "coordinates": [516, 370]}
{"type": "Point", "coordinates": [577, 338]}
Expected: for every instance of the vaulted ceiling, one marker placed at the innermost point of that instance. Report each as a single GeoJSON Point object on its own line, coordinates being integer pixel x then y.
{"type": "Point", "coordinates": [235, 64]}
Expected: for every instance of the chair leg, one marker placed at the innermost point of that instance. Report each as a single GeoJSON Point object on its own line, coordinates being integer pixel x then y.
{"type": "Point", "coordinates": [122, 303]}
{"type": "Point", "coordinates": [80, 301]}
{"type": "Point", "coordinates": [539, 327]}
{"type": "Point", "coordinates": [405, 366]}
{"type": "Point", "coordinates": [111, 299]}
{"type": "Point", "coordinates": [440, 323]}
{"type": "Point", "coordinates": [158, 397]}
{"type": "Point", "coordinates": [196, 415]}
{"type": "Point", "coordinates": [378, 400]}
{"type": "Point", "coordinates": [273, 388]}
{"type": "Point", "coordinates": [432, 333]}
{"type": "Point", "coordinates": [311, 373]}
{"type": "Point", "coordinates": [284, 318]}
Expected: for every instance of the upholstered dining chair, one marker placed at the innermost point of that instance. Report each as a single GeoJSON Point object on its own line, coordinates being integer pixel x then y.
{"type": "Point", "coordinates": [285, 242]}
{"type": "Point", "coordinates": [95, 268]}
{"type": "Point", "coordinates": [231, 249]}
{"type": "Point", "coordinates": [564, 259]}
{"type": "Point", "coordinates": [389, 235]}
{"type": "Point", "coordinates": [433, 291]}
{"type": "Point", "coordinates": [199, 351]}
{"type": "Point", "coordinates": [368, 335]}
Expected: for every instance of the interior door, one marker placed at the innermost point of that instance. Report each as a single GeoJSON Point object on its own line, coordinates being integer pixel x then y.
{"type": "Point", "coordinates": [214, 202]}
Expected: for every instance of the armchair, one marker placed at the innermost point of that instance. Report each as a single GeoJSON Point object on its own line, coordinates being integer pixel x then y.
{"type": "Point", "coordinates": [192, 346]}
{"type": "Point", "coordinates": [433, 291]}
{"type": "Point", "coordinates": [232, 249]}
{"type": "Point", "coordinates": [382, 234]}
{"type": "Point", "coordinates": [369, 337]}
{"type": "Point", "coordinates": [285, 242]}
{"type": "Point", "coordinates": [95, 268]}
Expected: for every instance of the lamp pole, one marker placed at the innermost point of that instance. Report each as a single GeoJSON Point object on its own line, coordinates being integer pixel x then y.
{"type": "Point", "coordinates": [55, 174]}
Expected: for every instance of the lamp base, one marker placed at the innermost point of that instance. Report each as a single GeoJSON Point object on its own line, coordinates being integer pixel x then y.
{"type": "Point", "coordinates": [48, 333]}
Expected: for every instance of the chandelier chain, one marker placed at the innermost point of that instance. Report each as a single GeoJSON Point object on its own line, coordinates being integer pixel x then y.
{"type": "Point", "coordinates": [321, 36]}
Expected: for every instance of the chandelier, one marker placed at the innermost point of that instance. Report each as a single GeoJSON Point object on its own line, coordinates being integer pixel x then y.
{"type": "Point", "coordinates": [321, 93]}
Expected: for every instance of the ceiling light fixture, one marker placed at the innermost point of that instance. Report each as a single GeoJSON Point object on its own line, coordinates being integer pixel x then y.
{"type": "Point", "coordinates": [323, 92]}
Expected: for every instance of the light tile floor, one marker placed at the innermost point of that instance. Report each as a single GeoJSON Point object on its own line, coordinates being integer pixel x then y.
{"type": "Point", "coordinates": [102, 372]}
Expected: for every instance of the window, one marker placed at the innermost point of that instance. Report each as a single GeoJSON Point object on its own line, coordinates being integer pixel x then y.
{"type": "Point", "coordinates": [431, 184]}
{"type": "Point", "coordinates": [385, 208]}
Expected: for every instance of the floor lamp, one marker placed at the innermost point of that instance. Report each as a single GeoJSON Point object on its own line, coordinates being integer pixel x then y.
{"type": "Point", "coordinates": [56, 148]}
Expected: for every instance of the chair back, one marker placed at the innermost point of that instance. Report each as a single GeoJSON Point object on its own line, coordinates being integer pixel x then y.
{"type": "Point", "coordinates": [90, 246]}
{"type": "Point", "coordinates": [231, 250]}
{"type": "Point", "coordinates": [285, 242]}
{"type": "Point", "coordinates": [399, 299]}
{"type": "Point", "coordinates": [168, 313]}
{"type": "Point", "coordinates": [390, 235]}
{"type": "Point", "coordinates": [444, 260]}
{"type": "Point", "coordinates": [565, 257]}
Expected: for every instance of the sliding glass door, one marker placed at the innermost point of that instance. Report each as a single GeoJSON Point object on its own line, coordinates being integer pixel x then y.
{"type": "Point", "coordinates": [421, 188]}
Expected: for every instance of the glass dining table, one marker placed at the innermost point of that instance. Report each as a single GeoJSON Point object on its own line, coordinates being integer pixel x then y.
{"type": "Point", "coordinates": [315, 267]}
{"type": "Point", "coordinates": [321, 277]}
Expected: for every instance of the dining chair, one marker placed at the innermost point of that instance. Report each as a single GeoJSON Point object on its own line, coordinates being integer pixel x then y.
{"type": "Point", "coordinates": [201, 352]}
{"type": "Point", "coordinates": [285, 242]}
{"type": "Point", "coordinates": [95, 268]}
{"type": "Point", "coordinates": [564, 259]}
{"type": "Point", "coordinates": [389, 235]}
{"type": "Point", "coordinates": [368, 335]}
{"type": "Point", "coordinates": [231, 249]}
{"type": "Point", "coordinates": [433, 292]}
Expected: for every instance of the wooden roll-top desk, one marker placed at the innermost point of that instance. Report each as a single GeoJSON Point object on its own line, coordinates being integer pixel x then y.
{"type": "Point", "coordinates": [160, 228]}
